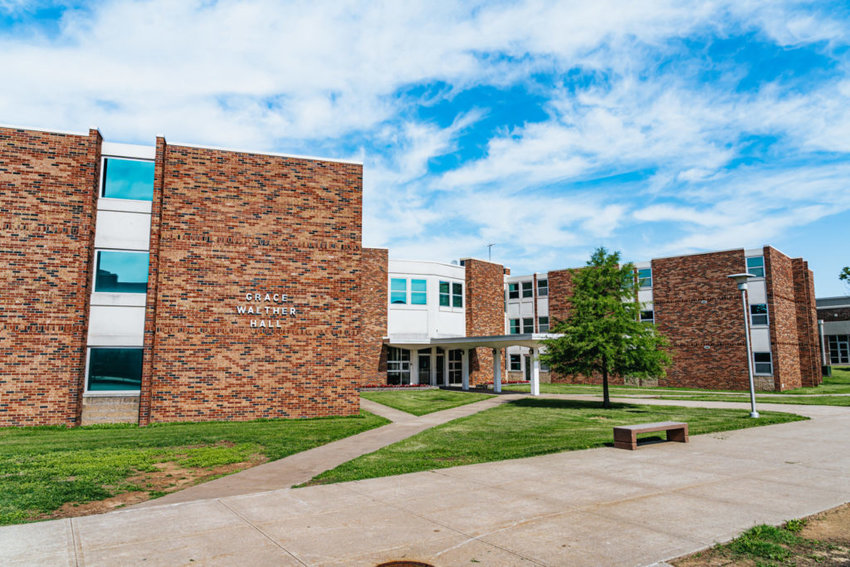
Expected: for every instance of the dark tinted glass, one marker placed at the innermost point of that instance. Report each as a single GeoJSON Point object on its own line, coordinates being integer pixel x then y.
{"type": "Point", "coordinates": [114, 369]}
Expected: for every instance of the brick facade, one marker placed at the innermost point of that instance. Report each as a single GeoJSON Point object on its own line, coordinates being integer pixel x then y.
{"type": "Point", "coordinates": [781, 305]}
{"type": "Point", "coordinates": [560, 290]}
{"type": "Point", "coordinates": [485, 314]}
{"type": "Point", "coordinates": [374, 299]}
{"type": "Point", "coordinates": [807, 326]}
{"type": "Point", "coordinates": [699, 309]}
{"type": "Point", "coordinates": [232, 224]}
{"type": "Point", "coordinates": [48, 187]}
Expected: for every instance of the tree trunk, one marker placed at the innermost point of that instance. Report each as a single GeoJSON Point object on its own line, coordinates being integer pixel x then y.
{"type": "Point", "coordinates": [606, 399]}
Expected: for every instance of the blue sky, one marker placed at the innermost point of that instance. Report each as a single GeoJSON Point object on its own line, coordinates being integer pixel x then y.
{"type": "Point", "coordinates": [547, 128]}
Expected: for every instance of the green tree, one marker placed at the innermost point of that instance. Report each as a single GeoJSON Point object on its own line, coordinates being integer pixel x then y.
{"type": "Point", "coordinates": [602, 333]}
{"type": "Point", "coordinates": [845, 275]}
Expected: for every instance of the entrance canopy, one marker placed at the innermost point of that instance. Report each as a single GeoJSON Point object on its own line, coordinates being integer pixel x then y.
{"type": "Point", "coordinates": [465, 344]}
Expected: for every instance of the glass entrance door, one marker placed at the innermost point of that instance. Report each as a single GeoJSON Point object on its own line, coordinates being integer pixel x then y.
{"type": "Point", "coordinates": [455, 367]}
{"type": "Point", "coordinates": [839, 349]}
{"type": "Point", "coordinates": [425, 366]}
{"type": "Point", "coordinates": [441, 365]}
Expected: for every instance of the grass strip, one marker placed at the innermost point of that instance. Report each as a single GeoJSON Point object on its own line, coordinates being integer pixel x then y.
{"type": "Point", "coordinates": [424, 401]}
{"type": "Point", "coordinates": [529, 427]}
{"type": "Point", "coordinates": [43, 469]}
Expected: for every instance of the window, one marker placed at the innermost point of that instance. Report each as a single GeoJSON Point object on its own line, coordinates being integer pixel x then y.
{"type": "Point", "coordinates": [542, 288]}
{"type": "Point", "coordinates": [527, 290]}
{"type": "Point", "coordinates": [514, 323]}
{"type": "Point", "coordinates": [543, 324]}
{"type": "Point", "coordinates": [758, 314]}
{"type": "Point", "coordinates": [645, 278]}
{"type": "Point", "coordinates": [544, 367]}
{"type": "Point", "coordinates": [528, 325]}
{"type": "Point", "coordinates": [398, 291]}
{"type": "Point", "coordinates": [647, 316]}
{"type": "Point", "coordinates": [121, 272]}
{"type": "Point", "coordinates": [418, 292]}
{"type": "Point", "coordinates": [455, 366]}
{"type": "Point", "coordinates": [398, 365]}
{"type": "Point", "coordinates": [457, 295]}
{"type": "Point", "coordinates": [763, 364]}
{"type": "Point", "coordinates": [516, 363]}
{"type": "Point", "coordinates": [445, 299]}
{"type": "Point", "coordinates": [127, 179]}
{"type": "Point", "coordinates": [513, 291]}
{"type": "Point", "coordinates": [115, 369]}
{"type": "Point", "coordinates": [839, 349]}
{"type": "Point", "coordinates": [755, 266]}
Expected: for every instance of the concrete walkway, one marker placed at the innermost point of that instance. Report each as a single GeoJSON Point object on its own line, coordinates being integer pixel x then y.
{"type": "Point", "coordinates": [301, 467]}
{"type": "Point", "coordinates": [597, 507]}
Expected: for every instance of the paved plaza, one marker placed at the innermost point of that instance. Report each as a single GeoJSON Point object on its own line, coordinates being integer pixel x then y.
{"type": "Point", "coordinates": [596, 507]}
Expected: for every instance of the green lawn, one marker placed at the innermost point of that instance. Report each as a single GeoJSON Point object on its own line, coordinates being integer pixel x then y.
{"type": "Point", "coordinates": [420, 402]}
{"type": "Point", "coordinates": [838, 383]}
{"type": "Point", "coordinates": [528, 427]}
{"type": "Point", "coordinates": [43, 468]}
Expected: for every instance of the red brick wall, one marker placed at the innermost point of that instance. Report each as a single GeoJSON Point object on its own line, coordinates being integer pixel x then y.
{"type": "Point", "coordinates": [807, 326]}
{"type": "Point", "coordinates": [700, 310]}
{"type": "Point", "coordinates": [782, 309]}
{"type": "Point", "coordinates": [231, 224]}
{"type": "Point", "coordinates": [560, 290]}
{"type": "Point", "coordinates": [834, 314]}
{"type": "Point", "coordinates": [373, 291]}
{"type": "Point", "coordinates": [485, 313]}
{"type": "Point", "coordinates": [48, 187]}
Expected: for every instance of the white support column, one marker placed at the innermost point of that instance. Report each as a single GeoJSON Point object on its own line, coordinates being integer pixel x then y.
{"type": "Point", "coordinates": [535, 372]}
{"type": "Point", "coordinates": [497, 370]}
{"type": "Point", "coordinates": [465, 366]}
{"type": "Point", "coordinates": [446, 368]}
{"type": "Point", "coordinates": [414, 366]}
{"type": "Point", "coordinates": [433, 377]}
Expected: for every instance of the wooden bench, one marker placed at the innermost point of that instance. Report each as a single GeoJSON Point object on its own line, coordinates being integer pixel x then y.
{"type": "Point", "coordinates": [625, 436]}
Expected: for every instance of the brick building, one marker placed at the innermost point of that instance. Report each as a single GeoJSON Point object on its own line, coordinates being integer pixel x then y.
{"type": "Point", "coordinates": [694, 304]}
{"type": "Point", "coordinates": [834, 312]}
{"type": "Point", "coordinates": [172, 282]}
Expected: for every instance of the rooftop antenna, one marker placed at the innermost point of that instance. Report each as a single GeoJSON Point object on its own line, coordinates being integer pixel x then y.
{"type": "Point", "coordinates": [490, 252]}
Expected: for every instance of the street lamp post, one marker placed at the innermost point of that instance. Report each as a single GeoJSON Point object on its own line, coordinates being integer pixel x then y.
{"type": "Point", "coordinates": [741, 280]}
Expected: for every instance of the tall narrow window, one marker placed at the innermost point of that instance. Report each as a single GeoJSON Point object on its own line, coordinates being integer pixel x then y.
{"type": "Point", "coordinates": [398, 291]}
{"type": "Point", "coordinates": [763, 363]}
{"type": "Point", "coordinates": [528, 325]}
{"type": "Point", "coordinates": [121, 272]}
{"type": "Point", "coordinates": [758, 314]}
{"type": "Point", "coordinates": [418, 292]}
{"type": "Point", "coordinates": [645, 278]}
{"type": "Point", "coordinates": [755, 266]}
{"type": "Point", "coordinates": [115, 369]}
{"type": "Point", "coordinates": [542, 288]}
{"type": "Point", "coordinates": [527, 290]}
{"type": "Point", "coordinates": [457, 295]}
{"type": "Point", "coordinates": [127, 179]}
{"type": "Point", "coordinates": [543, 324]}
{"type": "Point", "coordinates": [516, 363]}
{"type": "Point", "coordinates": [445, 295]}
{"type": "Point", "coordinates": [647, 316]}
{"type": "Point", "coordinates": [513, 290]}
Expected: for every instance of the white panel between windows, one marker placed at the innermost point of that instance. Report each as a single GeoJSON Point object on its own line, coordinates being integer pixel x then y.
{"type": "Point", "coordinates": [116, 326]}
{"type": "Point", "coordinates": [761, 340]}
{"type": "Point", "coordinates": [122, 231]}
{"type": "Point", "coordinates": [127, 205]}
{"type": "Point", "coordinates": [404, 321]}
{"type": "Point", "coordinates": [118, 299]}
{"type": "Point", "coordinates": [542, 306]}
{"type": "Point", "coordinates": [117, 149]}
{"type": "Point", "coordinates": [757, 292]}
{"type": "Point", "coordinates": [645, 295]}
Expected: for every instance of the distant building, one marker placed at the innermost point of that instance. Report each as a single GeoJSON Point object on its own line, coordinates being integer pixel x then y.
{"type": "Point", "coordinates": [835, 314]}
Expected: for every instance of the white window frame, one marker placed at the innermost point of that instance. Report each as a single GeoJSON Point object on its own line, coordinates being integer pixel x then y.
{"type": "Point", "coordinates": [755, 364]}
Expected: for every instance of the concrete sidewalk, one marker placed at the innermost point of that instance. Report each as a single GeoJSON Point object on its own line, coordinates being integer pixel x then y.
{"type": "Point", "coordinates": [597, 507]}
{"type": "Point", "coordinates": [301, 467]}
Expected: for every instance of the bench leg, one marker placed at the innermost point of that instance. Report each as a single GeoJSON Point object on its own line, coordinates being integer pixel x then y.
{"type": "Point", "coordinates": [680, 435]}
{"type": "Point", "coordinates": [625, 440]}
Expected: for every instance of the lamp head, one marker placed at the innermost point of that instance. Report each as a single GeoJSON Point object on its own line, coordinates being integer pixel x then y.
{"type": "Point", "coordinates": [741, 279]}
